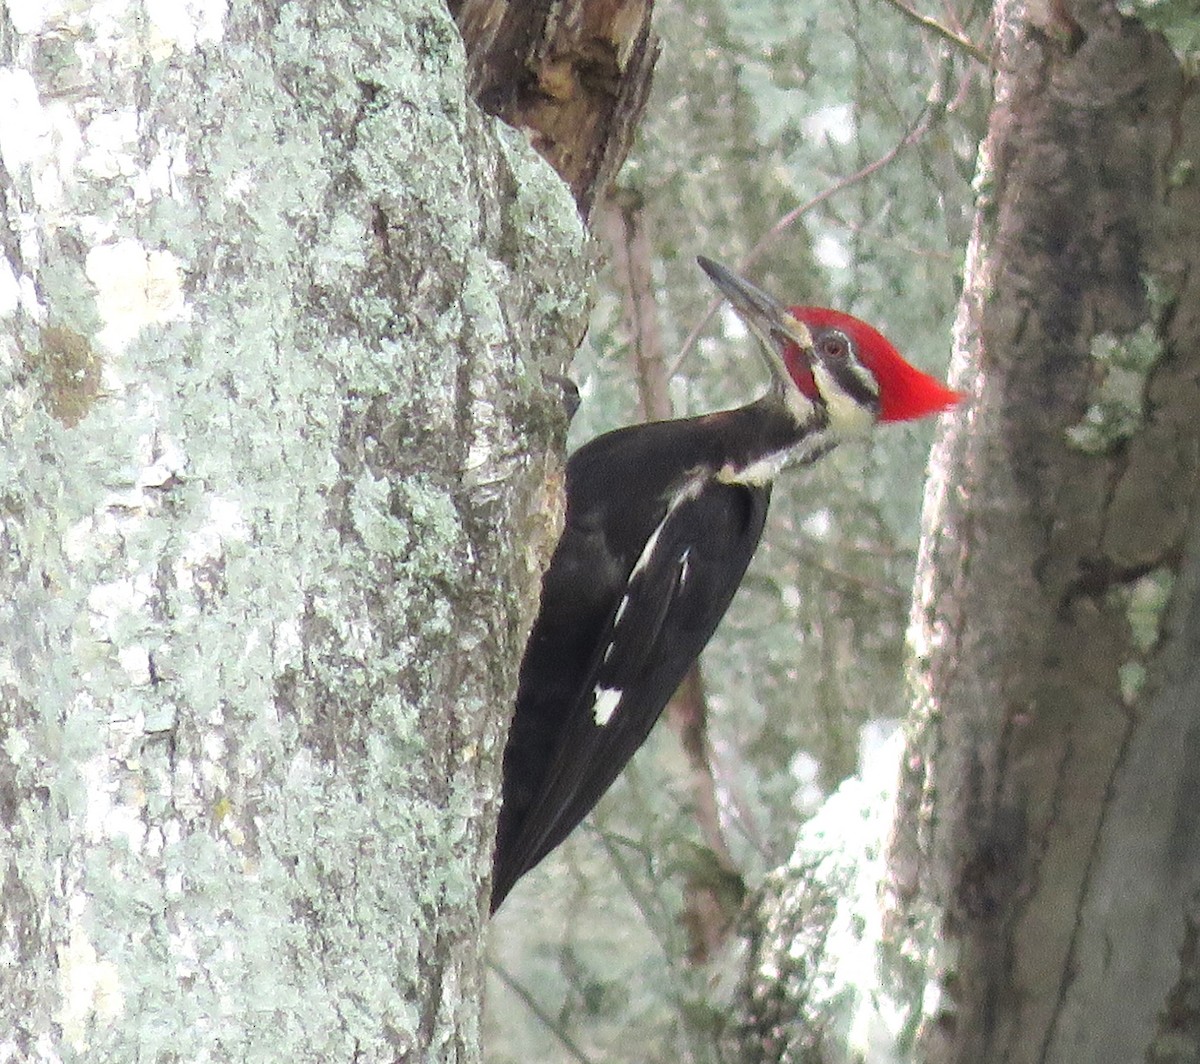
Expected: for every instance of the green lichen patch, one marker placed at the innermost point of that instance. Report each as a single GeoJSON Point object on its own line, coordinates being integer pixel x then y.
{"type": "Point", "coordinates": [1145, 603]}
{"type": "Point", "coordinates": [1133, 676]}
{"type": "Point", "coordinates": [1118, 409]}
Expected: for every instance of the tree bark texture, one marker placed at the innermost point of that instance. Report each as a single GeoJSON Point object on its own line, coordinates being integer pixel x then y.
{"type": "Point", "coordinates": [574, 74]}
{"type": "Point", "coordinates": [278, 471]}
{"type": "Point", "coordinates": [1048, 840]}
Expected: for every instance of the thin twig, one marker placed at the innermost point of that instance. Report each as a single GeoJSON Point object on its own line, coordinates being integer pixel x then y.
{"type": "Point", "coordinates": [849, 582]}
{"type": "Point", "coordinates": [947, 34]}
{"type": "Point", "coordinates": [649, 905]}
{"type": "Point", "coordinates": [530, 1002]}
{"type": "Point", "coordinates": [623, 222]}
{"type": "Point", "coordinates": [911, 137]}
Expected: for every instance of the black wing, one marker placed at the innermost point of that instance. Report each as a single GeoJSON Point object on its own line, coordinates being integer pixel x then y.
{"type": "Point", "coordinates": [625, 611]}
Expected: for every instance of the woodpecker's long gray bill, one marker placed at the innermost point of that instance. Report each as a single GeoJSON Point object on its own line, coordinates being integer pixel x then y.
{"type": "Point", "coordinates": [769, 319]}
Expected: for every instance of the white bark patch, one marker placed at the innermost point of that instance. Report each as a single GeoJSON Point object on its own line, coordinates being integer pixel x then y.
{"type": "Point", "coordinates": [24, 132]}
{"type": "Point", "coordinates": [10, 289]}
{"type": "Point", "coordinates": [170, 25]}
{"type": "Point", "coordinates": [107, 142]}
{"type": "Point", "coordinates": [42, 141]}
{"type": "Point", "coordinates": [113, 813]}
{"type": "Point", "coordinates": [136, 287]}
{"type": "Point", "coordinates": [181, 25]}
{"type": "Point", "coordinates": [198, 570]}
{"type": "Point", "coordinates": [135, 660]}
{"type": "Point", "coordinates": [90, 988]}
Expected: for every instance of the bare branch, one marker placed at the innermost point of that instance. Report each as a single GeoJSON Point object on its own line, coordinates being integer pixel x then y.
{"type": "Point", "coordinates": [547, 1021]}
{"type": "Point", "coordinates": [963, 44]}
{"type": "Point", "coordinates": [788, 220]}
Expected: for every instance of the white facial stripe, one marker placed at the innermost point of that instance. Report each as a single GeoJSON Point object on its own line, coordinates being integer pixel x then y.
{"type": "Point", "coordinates": [607, 701]}
{"type": "Point", "coordinates": [799, 405]}
{"type": "Point", "coordinates": [847, 416]}
{"type": "Point", "coordinates": [757, 474]}
{"type": "Point", "coordinates": [862, 376]}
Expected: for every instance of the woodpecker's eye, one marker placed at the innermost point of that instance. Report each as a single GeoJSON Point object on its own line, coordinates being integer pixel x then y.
{"type": "Point", "coordinates": [834, 346]}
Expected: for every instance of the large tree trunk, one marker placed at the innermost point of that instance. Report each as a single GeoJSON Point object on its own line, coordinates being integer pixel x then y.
{"type": "Point", "coordinates": [1044, 867]}
{"type": "Point", "coordinates": [278, 474]}
{"type": "Point", "coordinates": [1050, 836]}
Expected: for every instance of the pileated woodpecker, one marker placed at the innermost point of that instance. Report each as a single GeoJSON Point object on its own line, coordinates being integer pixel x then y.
{"type": "Point", "coordinates": [662, 520]}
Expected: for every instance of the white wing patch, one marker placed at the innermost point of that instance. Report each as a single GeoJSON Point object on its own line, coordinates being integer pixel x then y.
{"type": "Point", "coordinates": [648, 549]}
{"type": "Point", "coordinates": [607, 701]}
{"type": "Point", "coordinates": [621, 609]}
{"type": "Point", "coordinates": [690, 490]}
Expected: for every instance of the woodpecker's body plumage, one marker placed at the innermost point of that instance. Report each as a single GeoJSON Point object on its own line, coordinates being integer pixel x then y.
{"type": "Point", "coordinates": [662, 520]}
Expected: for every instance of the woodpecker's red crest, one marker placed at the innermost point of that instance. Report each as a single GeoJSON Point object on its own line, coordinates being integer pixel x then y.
{"type": "Point", "coordinates": [905, 393]}
{"type": "Point", "coordinates": [832, 359]}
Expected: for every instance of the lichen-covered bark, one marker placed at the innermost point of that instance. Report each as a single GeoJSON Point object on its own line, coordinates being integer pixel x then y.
{"type": "Point", "coordinates": [809, 991]}
{"type": "Point", "coordinates": [276, 480]}
{"type": "Point", "coordinates": [1047, 842]}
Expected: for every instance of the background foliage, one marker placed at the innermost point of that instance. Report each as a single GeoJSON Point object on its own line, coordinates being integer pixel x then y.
{"type": "Point", "coordinates": [758, 106]}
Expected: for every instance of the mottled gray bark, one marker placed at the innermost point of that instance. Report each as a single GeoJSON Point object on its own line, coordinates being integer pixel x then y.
{"type": "Point", "coordinates": [1048, 840]}
{"type": "Point", "coordinates": [276, 478]}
